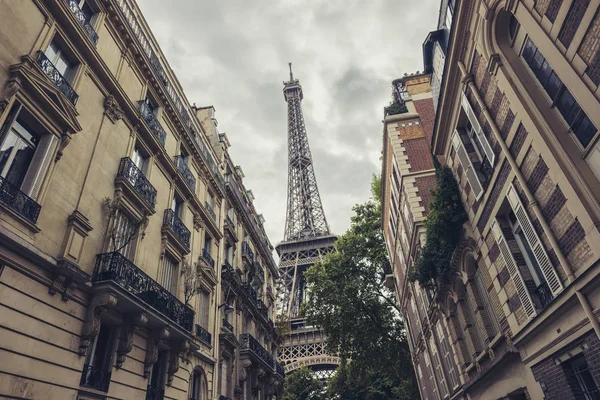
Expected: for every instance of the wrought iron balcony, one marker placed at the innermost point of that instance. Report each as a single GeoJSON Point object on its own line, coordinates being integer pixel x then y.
{"type": "Point", "coordinates": [154, 393]}
{"type": "Point", "coordinates": [227, 325]}
{"type": "Point", "coordinates": [544, 295]}
{"type": "Point", "coordinates": [80, 16]}
{"type": "Point", "coordinates": [173, 222]}
{"type": "Point", "coordinates": [210, 210]}
{"type": "Point", "coordinates": [259, 271]}
{"type": "Point", "coordinates": [221, 397]}
{"type": "Point", "coordinates": [208, 258]}
{"type": "Point", "coordinates": [56, 77]}
{"type": "Point", "coordinates": [262, 308]}
{"type": "Point", "coordinates": [142, 186]}
{"type": "Point", "coordinates": [248, 342]}
{"type": "Point", "coordinates": [95, 378]}
{"type": "Point", "coordinates": [18, 201]}
{"type": "Point", "coordinates": [184, 170]}
{"type": "Point", "coordinates": [228, 268]}
{"type": "Point", "coordinates": [118, 269]}
{"type": "Point", "coordinates": [251, 292]}
{"type": "Point", "coordinates": [279, 369]}
{"type": "Point", "coordinates": [203, 334]}
{"type": "Point", "coordinates": [148, 115]}
{"type": "Point", "coordinates": [247, 251]}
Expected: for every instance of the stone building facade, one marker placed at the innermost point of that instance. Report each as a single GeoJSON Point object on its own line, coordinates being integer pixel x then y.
{"type": "Point", "coordinates": [121, 221]}
{"type": "Point", "coordinates": [516, 122]}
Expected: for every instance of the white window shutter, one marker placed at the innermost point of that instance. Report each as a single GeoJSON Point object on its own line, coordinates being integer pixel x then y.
{"type": "Point", "coordinates": [535, 243]}
{"type": "Point", "coordinates": [513, 270]}
{"type": "Point", "coordinates": [480, 136]}
{"type": "Point", "coordinates": [467, 165]}
{"type": "Point", "coordinates": [39, 166]}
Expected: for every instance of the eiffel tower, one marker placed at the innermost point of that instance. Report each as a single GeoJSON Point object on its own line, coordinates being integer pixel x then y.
{"type": "Point", "coordinates": [306, 240]}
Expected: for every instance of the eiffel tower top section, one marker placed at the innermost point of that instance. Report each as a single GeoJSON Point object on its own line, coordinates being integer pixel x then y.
{"type": "Point", "coordinates": [305, 218]}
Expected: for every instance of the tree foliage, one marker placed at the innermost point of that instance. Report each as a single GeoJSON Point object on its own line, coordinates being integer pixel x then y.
{"type": "Point", "coordinates": [302, 385]}
{"type": "Point", "coordinates": [443, 226]}
{"type": "Point", "coordinates": [359, 315]}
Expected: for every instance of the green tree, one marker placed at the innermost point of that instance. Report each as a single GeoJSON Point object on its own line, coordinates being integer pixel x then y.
{"type": "Point", "coordinates": [359, 314]}
{"type": "Point", "coordinates": [302, 385]}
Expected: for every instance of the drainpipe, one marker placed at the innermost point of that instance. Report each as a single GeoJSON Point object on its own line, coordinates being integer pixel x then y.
{"type": "Point", "coordinates": [585, 303]}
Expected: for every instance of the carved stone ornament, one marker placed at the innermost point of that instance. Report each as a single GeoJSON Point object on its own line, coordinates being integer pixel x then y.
{"type": "Point", "coordinates": [132, 324]}
{"type": "Point", "coordinates": [245, 365]}
{"type": "Point", "coordinates": [11, 88]}
{"type": "Point", "coordinates": [100, 303]}
{"type": "Point", "coordinates": [154, 341]}
{"type": "Point", "coordinates": [112, 109]}
{"type": "Point", "coordinates": [174, 360]}
{"type": "Point", "coordinates": [65, 139]}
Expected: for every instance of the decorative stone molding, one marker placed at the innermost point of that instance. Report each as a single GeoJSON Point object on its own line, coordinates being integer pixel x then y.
{"type": "Point", "coordinates": [112, 109]}
{"type": "Point", "coordinates": [494, 63]}
{"type": "Point", "coordinates": [174, 354]}
{"type": "Point", "coordinates": [245, 364]}
{"type": "Point", "coordinates": [100, 303]}
{"type": "Point", "coordinates": [126, 339]}
{"type": "Point", "coordinates": [11, 88]}
{"type": "Point", "coordinates": [156, 339]}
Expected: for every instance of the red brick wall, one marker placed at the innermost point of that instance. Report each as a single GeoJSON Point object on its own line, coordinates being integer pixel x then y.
{"type": "Point", "coordinates": [427, 115]}
{"type": "Point", "coordinates": [418, 152]}
{"type": "Point", "coordinates": [425, 185]}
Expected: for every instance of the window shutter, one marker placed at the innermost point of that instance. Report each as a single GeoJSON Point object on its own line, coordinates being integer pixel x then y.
{"type": "Point", "coordinates": [467, 165]}
{"type": "Point", "coordinates": [537, 247]}
{"type": "Point", "coordinates": [513, 270]}
{"type": "Point", "coordinates": [39, 166]}
{"type": "Point", "coordinates": [480, 136]}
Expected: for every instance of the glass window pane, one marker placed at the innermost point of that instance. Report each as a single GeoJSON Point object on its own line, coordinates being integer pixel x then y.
{"type": "Point", "coordinates": [565, 102]}
{"type": "Point", "coordinates": [20, 163]}
{"type": "Point", "coordinates": [553, 85]}
{"type": "Point", "coordinates": [6, 149]}
{"type": "Point", "coordinates": [529, 51]}
{"type": "Point", "coordinates": [585, 130]}
{"type": "Point", "coordinates": [536, 63]}
{"type": "Point", "coordinates": [51, 52]}
{"type": "Point", "coordinates": [87, 12]}
{"type": "Point", "coordinates": [573, 114]}
{"type": "Point", "coordinates": [544, 73]}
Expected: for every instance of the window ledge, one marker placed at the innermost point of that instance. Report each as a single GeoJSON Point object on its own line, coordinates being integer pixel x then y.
{"type": "Point", "coordinates": [33, 228]}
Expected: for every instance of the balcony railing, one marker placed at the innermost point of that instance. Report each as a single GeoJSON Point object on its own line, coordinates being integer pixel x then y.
{"type": "Point", "coordinates": [203, 334]}
{"type": "Point", "coordinates": [210, 211]}
{"type": "Point", "coordinates": [154, 393]}
{"type": "Point", "coordinates": [56, 77]}
{"type": "Point", "coordinates": [18, 201]}
{"type": "Point", "coordinates": [95, 378]}
{"type": "Point", "coordinates": [544, 295]}
{"type": "Point", "coordinates": [248, 342]}
{"type": "Point", "coordinates": [227, 267]}
{"type": "Point", "coordinates": [80, 16]}
{"type": "Point", "coordinates": [279, 369]}
{"type": "Point", "coordinates": [148, 115]}
{"type": "Point", "coordinates": [183, 168]}
{"type": "Point", "coordinates": [251, 292]}
{"type": "Point", "coordinates": [221, 397]}
{"type": "Point", "coordinates": [180, 106]}
{"type": "Point", "coordinates": [142, 186]}
{"type": "Point", "coordinates": [259, 271]}
{"type": "Point", "coordinates": [247, 251]}
{"type": "Point", "coordinates": [208, 258]}
{"type": "Point", "coordinates": [227, 325]}
{"type": "Point", "coordinates": [118, 269]}
{"type": "Point", "coordinates": [262, 308]}
{"type": "Point", "coordinates": [177, 226]}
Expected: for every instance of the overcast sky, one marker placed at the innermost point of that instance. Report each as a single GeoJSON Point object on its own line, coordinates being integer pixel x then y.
{"type": "Point", "coordinates": [233, 54]}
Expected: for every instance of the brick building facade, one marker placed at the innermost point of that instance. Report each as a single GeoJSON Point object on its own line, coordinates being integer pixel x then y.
{"type": "Point", "coordinates": [516, 122]}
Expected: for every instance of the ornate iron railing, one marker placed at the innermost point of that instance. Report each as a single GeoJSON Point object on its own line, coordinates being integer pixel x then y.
{"type": "Point", "coordinates": [148, 115]}
{"type": "Point", "coordinates": [208, 258]}
{"type": "Point", "coordinates": [251, 292]}
{"type": "Point", "coordinates": [18, 201]}
{"type": "Point", "coordinates": [210, 211]}
{"type": "Point", "coordinates": [180, 106]}
{"type": "Point", "coordinates": [227, 325]}
{"type": "Point", "coordinates": [248, 342]}
{"type": "Point", "coordinates": [115, 267]}
{"type": "Point", "coordinates": [544, 294]}
{"type": "Point", "coordinates": [95, 378]}
{"type": "Point", "coordinates": [247, 251]}
{"type": "Point", "coordinates": [154, 393]}
{"type": "Point", "coordinates": [183, 168]}
{"type": "Point", "coordinates": [227, 267]}
{"type": "Point", "coordinates": [221, 397]}
{"type": "Point", "coordinates": [262, 308]}
{"type": "Point", "coordinates": [56, 77]}
{"type": "Point", "coordinates": [143, 187]}
{"type": "Point", "coordinates": [80, 16]}
{"type": "Point", "coordinates": [177, 226]}
{"type": "Point", "coordinates": [203, 334]}
{"type": "Point", "coordinates": [279, 369]}
{"type": "Point", "coordinates": [260, 272]}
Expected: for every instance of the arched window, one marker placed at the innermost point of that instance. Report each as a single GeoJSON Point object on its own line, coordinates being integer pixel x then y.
{"type": "Point", "coordinates": [198, 390]}
{"type": "Point", "coordinates": [513, 25]}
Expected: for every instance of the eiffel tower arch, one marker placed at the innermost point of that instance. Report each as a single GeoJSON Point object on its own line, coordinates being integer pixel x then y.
{"type": "Point", "coordinates": [307, 239]}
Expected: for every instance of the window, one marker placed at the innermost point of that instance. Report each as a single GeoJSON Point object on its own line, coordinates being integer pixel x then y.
{"type": "Point", "coordinates": [203, 308]}
{"type": "Point", "coordinates": [208, 244]}
{"type": "Point", "coordinates": [586, 382]}
{"type": "Point", "coordinates": [156, 383]}
{"type": "Point", "coordinates": [151, 105]}
{"type": "Point", "coordinates": [139, 159]}
{"type": "Point", "coordinates": [438, 368]}
{"type": "Point", "coordinates": [229, 254]}
{"type": "Point", "coordinates": [579, 123]}
{"type": "Point", "coordinates": [60, 60]}
{"type": "Point", "coordinates": [513, 25]}
{"type": "Point", "coordinates": [98, 363]}
{"type": "Point", "coordinates": [484, 295]}
{"type": "Point", "coordinates": [197, 386]}
{"type": "Point", "coordinates": [463, 147]}
{"type": "Point", "coordinates": [26, 151]}
{"type": "Point", "coordinates": [177, 206]}
{"type": "Point", "coordinates": [447, 356]}
{"type": "Point", "coordinates": [86, 11]}
{"type": "Point", "coordinates": [168, 278]}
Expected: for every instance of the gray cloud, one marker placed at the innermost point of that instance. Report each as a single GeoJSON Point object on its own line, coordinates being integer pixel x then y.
{"type": "Point", "coordinates": [233, 54]}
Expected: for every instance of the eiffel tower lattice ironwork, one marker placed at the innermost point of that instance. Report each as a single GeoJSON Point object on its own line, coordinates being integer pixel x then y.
{"type": "Point", "coordinates": [307, 239]}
